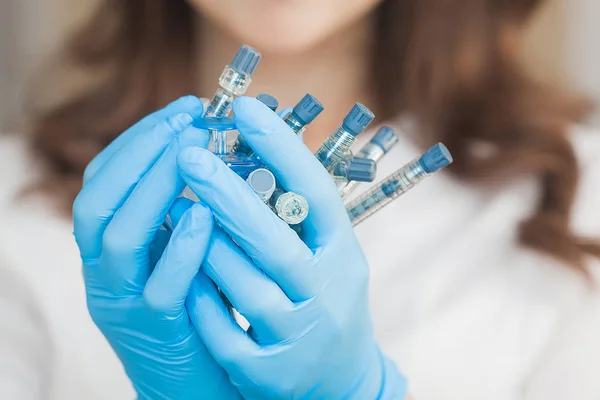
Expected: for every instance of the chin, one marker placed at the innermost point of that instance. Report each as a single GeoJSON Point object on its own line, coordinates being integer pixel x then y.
{"type": "Point", "coordinates": [282, 44]}
{"type": "Point", "coordinates": [278, 26]}
{"type": "Point", "coordinates": [271, 37]}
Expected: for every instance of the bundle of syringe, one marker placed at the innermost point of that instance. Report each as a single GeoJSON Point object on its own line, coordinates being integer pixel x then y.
{"type": "Point", "coordinates": [335, 155]}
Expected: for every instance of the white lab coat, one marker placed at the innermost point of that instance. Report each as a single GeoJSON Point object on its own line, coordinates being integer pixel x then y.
{"type": "Point", "coordinates": [463, 309]}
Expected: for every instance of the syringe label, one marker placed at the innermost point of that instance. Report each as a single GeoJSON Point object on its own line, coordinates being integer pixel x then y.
{"type": "Point", "coordinates": [219, 107]}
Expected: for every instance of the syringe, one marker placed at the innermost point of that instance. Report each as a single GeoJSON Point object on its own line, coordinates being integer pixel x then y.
{"type": "Point", "coordinates": [303, 114]}
{"type": "Point", "coordinates": [378, 146]}
{"type": "Point", "coordinates": [398, 183]}
{"type": "Point", "coordinates": [240, 145]}
{"type": "Point", "coordinates": [234, 81]}
{"type": "Point", "coordinates": [338, 144]}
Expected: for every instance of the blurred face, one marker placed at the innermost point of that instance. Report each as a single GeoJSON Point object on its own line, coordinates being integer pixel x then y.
{"type": "Point", "coordinates": [284, 25]}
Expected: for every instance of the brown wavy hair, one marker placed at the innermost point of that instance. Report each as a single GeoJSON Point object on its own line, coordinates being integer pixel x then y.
{"type": "Point", "coordinates": [452, 64]}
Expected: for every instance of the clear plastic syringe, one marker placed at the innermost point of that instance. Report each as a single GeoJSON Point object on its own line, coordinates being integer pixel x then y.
{"type": "Point", "coordinates": [335, 148]}
{"type": "Point", "coordinates": [234, 81]}
{"type": "Point", "coordinates": [378, 146]}
{"type": "Point", "coordinates": [398, 183]}
{"type": "Point", "coordinates": [303, 114]}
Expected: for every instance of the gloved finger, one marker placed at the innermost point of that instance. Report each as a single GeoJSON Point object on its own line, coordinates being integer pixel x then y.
{"type": "Point", "coordinates": [225, 340]}
{"type": "Point", "coordinates": [251, 292]}
{"type": "Point", "coordinates": [97, 202]}
{"type": "Point", "coordinates": [170, 282]}
{"type": "Point", "coordinates": [269, 241]}
{"type": "Point", "coordinates": [127, 238]}
{"type": "Point", "coordinates": [294, 165]}
{"type": "Point", "coordinates": [187, 104]}
{"type": "Point", "coordinates": [179, 207]}
{"type": "Point", "coordinates": [158, 245]}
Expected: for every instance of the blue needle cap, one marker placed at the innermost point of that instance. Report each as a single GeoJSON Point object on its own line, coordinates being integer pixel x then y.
{"type": "Point", "coordinates": [385, 138]}
{"type": "Point", "coordinates": [307, 109]}
{"type": "Point", "coordinates": [268, 101]}
{"type": "Point", "coordinates": [362, 170]}
{"type": "Point", "coordinates": [246, 60]}
{"type": "Point", "coordinates": [358, 119]}
{"type": "Point", "coordinates": [436, 158]}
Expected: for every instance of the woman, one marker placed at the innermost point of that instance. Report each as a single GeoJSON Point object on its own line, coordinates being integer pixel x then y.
{"type": "Point", "coordinates": [487, 295]}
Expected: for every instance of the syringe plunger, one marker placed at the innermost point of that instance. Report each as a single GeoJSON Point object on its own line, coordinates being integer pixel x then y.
{"type": "Point", "coordinates": [262, 182]}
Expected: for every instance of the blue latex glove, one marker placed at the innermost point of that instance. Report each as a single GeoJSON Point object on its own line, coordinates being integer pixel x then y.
{"type": "Point", "coordinates": [139, 305]}
{"type": "Point", "coordinates": [307, 301]}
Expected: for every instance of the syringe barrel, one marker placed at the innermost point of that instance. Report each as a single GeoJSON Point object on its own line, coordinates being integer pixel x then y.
{"type": "Point", "coordinates": [220, 104]}
{"type": "Point", "coordinates": [291, 121]}
{"type": "Point", "coordinates": [335, 148]}
{"type": "Point", "coordinates": [233, 84]}
{"type": "Point", "coordinates": [385, 192]}
{"type": "Point", "coordinates": [372, 152]}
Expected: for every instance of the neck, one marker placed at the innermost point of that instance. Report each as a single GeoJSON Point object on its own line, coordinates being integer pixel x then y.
{"type": "Point", "coordinates": [336, 72]}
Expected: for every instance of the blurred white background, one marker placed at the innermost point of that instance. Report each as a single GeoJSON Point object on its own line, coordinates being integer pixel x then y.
{"type": "Point", "coordinates": [563, 44]}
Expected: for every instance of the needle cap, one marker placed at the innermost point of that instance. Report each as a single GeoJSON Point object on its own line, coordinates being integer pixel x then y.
{"type": "Point", "coordinates": [307, 109]}
{"type": "Point", "coordinates": [385, 138]}
{"type": "Point", "coordinates": [268, 101]}
{"type": "Point", "coordinates": [358, 119]}
{"type": "Point", "coordinates": [436, 158]}
{"type": "Point", "coordinates": [246, 60]}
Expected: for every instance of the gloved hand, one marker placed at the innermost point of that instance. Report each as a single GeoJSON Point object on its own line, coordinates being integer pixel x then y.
{"type": "Point", "coordinates": [139, 305]}
{"type": "Point", "coordinates": [307, 301]}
